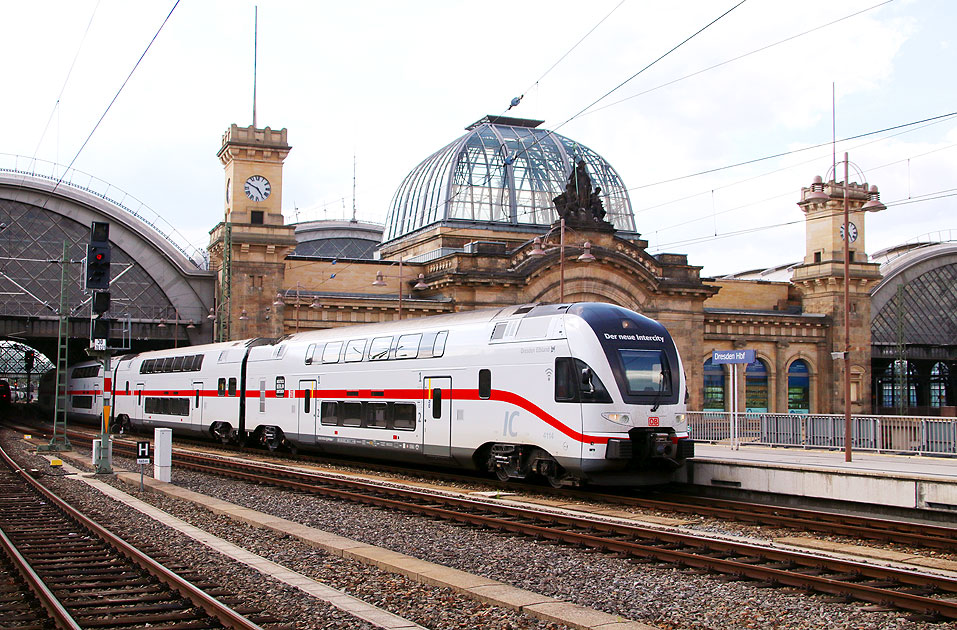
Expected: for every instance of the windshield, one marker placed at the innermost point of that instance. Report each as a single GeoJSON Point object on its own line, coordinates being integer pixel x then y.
{"type": "Point", "coordinates": [646, 371]}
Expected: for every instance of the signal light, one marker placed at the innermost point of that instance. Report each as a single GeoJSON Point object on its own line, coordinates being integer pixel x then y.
{"type": "Point", "coordinates": [101, 328]}
{"type": "Point", "coordinates": [101, 302]}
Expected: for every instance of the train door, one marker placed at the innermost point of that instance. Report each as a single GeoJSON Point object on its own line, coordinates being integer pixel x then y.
{"type": "Point", "coordinates": [138, 401]}
{"type": "Point", "coordinates": [307, 409]}
{"type": "Point", "coordinates": [437, 416]}
{"type": "Point", "coordinates": [196, 405]}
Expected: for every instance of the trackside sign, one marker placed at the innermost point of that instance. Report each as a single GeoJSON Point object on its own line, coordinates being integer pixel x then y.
{"type": "Point", "coordinates": [732, 356]}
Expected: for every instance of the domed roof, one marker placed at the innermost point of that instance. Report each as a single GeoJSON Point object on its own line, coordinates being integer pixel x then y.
{"type": "Point", "coordinates": [503, 171]}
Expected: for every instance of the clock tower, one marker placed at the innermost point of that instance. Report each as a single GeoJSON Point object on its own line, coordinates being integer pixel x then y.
{"type": "Point", "coordinates": [820, 279]}
{"type": "Point", "coordinates": [249, 248]}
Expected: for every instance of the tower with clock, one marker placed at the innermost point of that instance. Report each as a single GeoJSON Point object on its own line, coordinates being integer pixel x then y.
{"type": "Point", "coordinates": [820, 279]}
{"type": "Point", "coordinates": [248, 249]}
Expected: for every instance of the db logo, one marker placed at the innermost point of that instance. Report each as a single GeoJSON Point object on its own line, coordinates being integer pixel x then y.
{"type": "Point", "coordinates": [653, 421]}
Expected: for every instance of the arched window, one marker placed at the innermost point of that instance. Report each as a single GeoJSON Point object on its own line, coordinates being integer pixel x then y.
{"type": "Point", "coordinates": [756, 386]}
{"type": "Point", "coordinates": [939, 379]}
{"type": "Point", "coordinates": [713, 386]}
{"type": "Point", "coordinates": [898, 385]}
{"type": "Point", "coordinates": [799, 387]}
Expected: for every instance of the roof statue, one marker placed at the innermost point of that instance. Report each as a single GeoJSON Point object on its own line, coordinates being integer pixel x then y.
{"type": "Point", "coordinates": [580, 205]}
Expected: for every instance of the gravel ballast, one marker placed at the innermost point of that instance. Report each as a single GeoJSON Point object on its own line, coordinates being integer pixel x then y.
{"type": "Point", "coordinates": [655, 594]}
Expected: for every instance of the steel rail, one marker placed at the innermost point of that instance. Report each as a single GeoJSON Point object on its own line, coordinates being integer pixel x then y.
{"type": "Point", "coordinates": [810, 571]}
{"type": "Point", "coordinates": [213, 607]}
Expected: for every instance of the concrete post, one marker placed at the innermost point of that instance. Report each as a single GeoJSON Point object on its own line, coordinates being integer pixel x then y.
{"type": "Point", "coordinates": [162, 454]}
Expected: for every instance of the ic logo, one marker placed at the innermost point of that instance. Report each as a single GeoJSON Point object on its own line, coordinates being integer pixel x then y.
{"type": "Point", "coordinates": [653, 421]}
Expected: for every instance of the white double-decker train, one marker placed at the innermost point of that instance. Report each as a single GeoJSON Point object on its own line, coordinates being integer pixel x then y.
{"type": "Point", "coordinates": [576, 393]}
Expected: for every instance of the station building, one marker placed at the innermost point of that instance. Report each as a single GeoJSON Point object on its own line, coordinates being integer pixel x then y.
{"type": "Point", "coordinates": [512, 213]}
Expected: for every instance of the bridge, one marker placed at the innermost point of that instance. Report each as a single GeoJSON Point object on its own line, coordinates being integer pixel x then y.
{"type": "Point", "coordinates": [161, 290]}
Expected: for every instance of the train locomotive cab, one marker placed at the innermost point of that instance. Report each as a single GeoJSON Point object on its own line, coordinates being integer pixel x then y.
{"type": "Point", "coordinates": [611, 398]}
{"type": "Point", "coordinates": [632, 396]}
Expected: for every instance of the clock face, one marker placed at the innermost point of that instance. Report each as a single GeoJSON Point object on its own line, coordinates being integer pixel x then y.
{"type": "Point", "coordinates": [257, 188]}
{"type": "Point", "coordinates": [851, 230]}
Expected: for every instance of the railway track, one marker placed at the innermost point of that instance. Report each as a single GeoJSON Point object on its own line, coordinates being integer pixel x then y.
{"type": "Point", "coordinates": [921, 593]}
{"type": "Point", "coordinates": [76, 574]}
{"type": "Point", "coordinates": [913, 534]}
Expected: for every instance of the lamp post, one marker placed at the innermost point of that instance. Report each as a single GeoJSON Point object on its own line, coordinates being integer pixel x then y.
{"type": "Point", "coordinates": [538, 250]}
{"type": "Point", "coordinates": [873, 204]}
{"type": "Point", "coordinates": [419, 286]}
{"type": "Point", "coordinates": [283, 296]}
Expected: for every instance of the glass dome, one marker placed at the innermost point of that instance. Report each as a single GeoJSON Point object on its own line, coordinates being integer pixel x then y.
{"type": "Point", "coordinates": [503, 170]}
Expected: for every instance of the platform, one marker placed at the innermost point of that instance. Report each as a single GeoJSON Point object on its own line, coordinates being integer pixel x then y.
{"type": "Point", "coordinates": [898, 481]}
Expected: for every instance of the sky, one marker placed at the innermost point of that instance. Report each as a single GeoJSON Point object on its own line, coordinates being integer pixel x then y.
{"type": "Point", "coordinates": [369, 89]}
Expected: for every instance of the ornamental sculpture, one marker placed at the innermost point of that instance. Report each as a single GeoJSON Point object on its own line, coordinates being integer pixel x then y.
{"type": "Point", "coordinates": [580, 205]}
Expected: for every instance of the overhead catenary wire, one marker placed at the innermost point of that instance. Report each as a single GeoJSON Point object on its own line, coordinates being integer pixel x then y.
{"type": "Point", "coordinates": [115, 96]}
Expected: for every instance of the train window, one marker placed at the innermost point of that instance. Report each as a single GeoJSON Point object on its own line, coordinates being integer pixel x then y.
{"type": "Point", "coordinates": [438, 346]}
{"type": "Point", "coordinates": [377, 415]}
{"type": "Point", "coordinates": [436, 402]}
{"type": "Point", "coordinates": [82, 402]}
{"type": "Point", "coordinates": [485, 384]}
{"type": "Point", "coordinates": [279, 351]}
{"type": "Point", "coordinates": [178, 364]}
{"type": "Point", "coordinates": [379, 348]}
{"type": "Point", "coordinates": [167, 364]}
{"type": "Point", "coordinates": [354, 350]}
{"type": "Point", "coordinates": [403, 416]}
{"type": "Point", "coordinates": [280, 387]}
{"type": "Point", "coordinates": [262, 395]}
{"type": "Point", "coordinates": [499, 331]}
{"type": "Point", "coordinates": [197, 363]}
{"type": "Point", "coordinates": [195, 404]}
{"type": "Point", "coordinates": [232, 387]}
{"type": "Point", "coordinates": [306, 400]}
{"type": "Point", "coordinates": [646, 371]}
{"type": "Point", "coordinates": [221, 387]}
{"type": "Point", "coordinates": [329, 413]}
{"type": "Point", "coordinates": [351, 414]}
{"type": "Point", "coordinates": [330, 354]}
{"type": "Point", "coordinates": [565, 388]}
{"type": "Point", "coordinates": [222, 356]}
{"type": "Point", "coordinates": [408, 346]}
{"type": "Point", "coordinates": [309, 351]}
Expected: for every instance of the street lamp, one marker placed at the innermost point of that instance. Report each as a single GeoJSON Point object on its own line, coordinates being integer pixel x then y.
{"type": "Point", "coordinates": [538, 250]}
{"type": "Point", "coordinates": [420, 285]}
{"type": "Point", "coordinates": [873, 204]}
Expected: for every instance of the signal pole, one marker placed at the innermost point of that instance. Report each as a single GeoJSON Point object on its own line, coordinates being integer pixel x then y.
{"type": "Point", "coordinates": [98, 281]}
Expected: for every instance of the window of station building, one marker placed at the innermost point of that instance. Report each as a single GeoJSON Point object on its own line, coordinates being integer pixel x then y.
{"type": "Point", "coordinates": [756, 387]}
{"type": "Point", "coordinates": [379, 348]}
{"type": "Point", "coordinates": [257, 217]}
{"type": "Point", "coordinates": [408, 346]}
{"type": "Point", "coordinates": [713, 387]}
{"type": "Point", "coordinates": [939, 381]}
{"type": "Point", "coordinates": [355, 348]}
{"type": "Point", "coordinates": [897, 385]}
{"type": "Point", "coordinates": [799, 387]}
{"type": "Point", "coordinates": [330, 354]}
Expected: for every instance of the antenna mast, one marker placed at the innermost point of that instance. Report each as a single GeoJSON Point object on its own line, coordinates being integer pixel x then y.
{"type": "Point", "coordinates": [255, 55]}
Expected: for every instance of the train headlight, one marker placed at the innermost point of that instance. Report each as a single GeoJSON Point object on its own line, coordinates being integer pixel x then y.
{"type": "Point", "coordinates": [680, 418]}
{"type": "Point", "coordinates": [618, 418]}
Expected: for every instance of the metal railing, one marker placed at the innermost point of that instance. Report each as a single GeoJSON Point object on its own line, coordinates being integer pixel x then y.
{"type": "Point", "coordinates": [912, 435]}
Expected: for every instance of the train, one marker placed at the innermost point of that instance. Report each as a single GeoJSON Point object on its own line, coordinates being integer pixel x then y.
{"type": "Point", "coordinates": [583, 393]}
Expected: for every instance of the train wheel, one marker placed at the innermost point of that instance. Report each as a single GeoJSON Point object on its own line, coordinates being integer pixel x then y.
{"type": "Point", "coordinates": [553, 473]}
{"type": "Point", "coordinates": [501, 473]}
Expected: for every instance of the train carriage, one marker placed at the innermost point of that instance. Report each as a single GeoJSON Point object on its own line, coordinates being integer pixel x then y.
{"type": "Point", "coordinates": [573, 393]}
